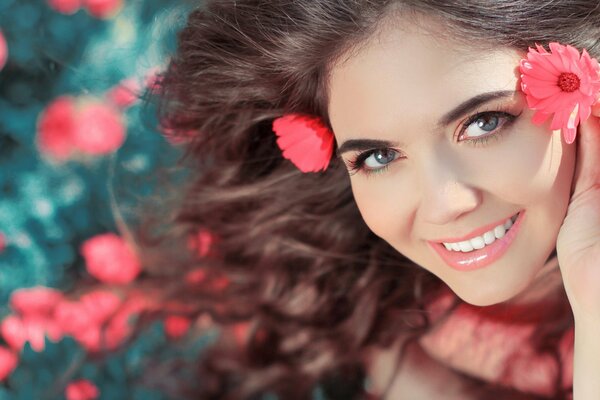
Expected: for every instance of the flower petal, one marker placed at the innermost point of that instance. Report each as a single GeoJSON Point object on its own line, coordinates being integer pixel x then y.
{"type": "Point", "coordinates": [305, 141]}
{"type": "Point", "coordinates": [543, 91]}
{"type": "Point", "coordinates": [540, 117]}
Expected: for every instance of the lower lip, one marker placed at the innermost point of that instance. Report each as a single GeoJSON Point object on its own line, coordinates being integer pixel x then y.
{"type": "Point", "coordinates": [481, 258]}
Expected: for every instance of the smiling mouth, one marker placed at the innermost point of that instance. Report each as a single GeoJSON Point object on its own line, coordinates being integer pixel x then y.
{"type": "Point", "coordinates": [480, 251]}
{"type": "Point", "coordinates": [485, 239]}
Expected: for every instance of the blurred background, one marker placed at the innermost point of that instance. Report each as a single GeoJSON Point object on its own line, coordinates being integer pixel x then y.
{"type": "Point", "coordinates": [77, 148]}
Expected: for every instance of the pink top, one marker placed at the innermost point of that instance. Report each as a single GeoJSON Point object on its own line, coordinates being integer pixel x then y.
{"type": "Point", "coordinates": [492, 343]}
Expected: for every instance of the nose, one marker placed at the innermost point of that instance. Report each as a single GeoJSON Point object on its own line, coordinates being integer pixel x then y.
{"type": "Point", "coordinates": [445, 195]}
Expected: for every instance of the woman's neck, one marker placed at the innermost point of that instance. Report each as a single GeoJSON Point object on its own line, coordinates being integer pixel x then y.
{"type": "Point", "coordinates": [541, 299]}
{"type": "Point", "coordinates": [545, 286]}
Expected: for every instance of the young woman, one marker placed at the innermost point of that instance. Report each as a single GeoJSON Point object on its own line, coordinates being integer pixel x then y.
{"type": "Point", "coordinates": [401, 195]}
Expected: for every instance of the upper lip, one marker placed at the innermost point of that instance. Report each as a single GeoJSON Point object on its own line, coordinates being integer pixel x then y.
{"type": "Point", "coordinates": [477, 232]}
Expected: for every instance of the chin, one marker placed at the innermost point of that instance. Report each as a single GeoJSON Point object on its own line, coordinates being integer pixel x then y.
{"type": "Point", "coordinates": [485, 298]}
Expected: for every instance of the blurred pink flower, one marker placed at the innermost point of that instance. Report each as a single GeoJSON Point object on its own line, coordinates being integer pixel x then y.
{"type": "Point", "coordinates": [100, 129]}
{"type": "Point", "coordinates": [201, 242]}
{"type": "Point", "coordinates": [16, 330]}
{"type": "Point", "coordinates": [100, 320]}
{"type": "Point", "coordinates": [13, 332]}
{"type": "Point", "coordinates": [125, 94]}
{"type": "Point", "coordinates": [88, 126]}
{"type": "Point", "coordinates": [3, 50]}
{"type": "Point", "coordinates": [120, 325]}
{"type": "Point", "coordinates": [110, 259]}
{"type": "Point", "coordinates": [8, 362]}
{"type": "Point", "coordinates": [38, 300]}
{"type": "Point", "coordinates": [103, 9]}
{"type": "Point", "coordinates": [73, 317]}
{"type": "Point", "coordinates": [56, 125]}
{"type": "Point", "coordinates": [100, 304]}
{"type": "Point", "coordinates": [82, 389]}
{"type": "Point", "coordinates": [83, 319]}
{"type": "Point", "coordinates": [65, 6]}
{"type": "Point", "coordinates": [195, 276]}
{"type": "Point", "coordinates": [2, 242]}
{"type": "Point", "coordinates": [560, 83]}
{"type": "Point", "coordinates": [176, 326]}
{"type": "Point", "coordinates": [33, 320]}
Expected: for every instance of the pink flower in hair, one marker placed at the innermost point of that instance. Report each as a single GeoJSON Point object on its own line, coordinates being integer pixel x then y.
{"type": "Point", "coordinates": [305, 141]}
{"type": "Point", "coordinates": [562, 84]}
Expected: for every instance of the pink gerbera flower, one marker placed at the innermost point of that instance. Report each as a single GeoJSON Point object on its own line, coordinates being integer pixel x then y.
{"type": "Point", "coordinates": [561, 83]}
{"type": "Point", "coordinates": [305, 141]}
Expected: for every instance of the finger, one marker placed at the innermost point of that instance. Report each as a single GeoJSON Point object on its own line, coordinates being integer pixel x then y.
{"type": "Point", "coordinates": [596, 109]}
{"type": "Point", "coordinates": [587, 169]}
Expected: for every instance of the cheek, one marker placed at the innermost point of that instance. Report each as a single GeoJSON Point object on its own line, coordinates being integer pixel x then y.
{"type": "Point", "coordinates": [383, 204]}
{"type": "Point", "coordinates": [535, 165]}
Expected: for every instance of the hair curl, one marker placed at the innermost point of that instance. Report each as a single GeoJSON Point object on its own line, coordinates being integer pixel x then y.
{"type": "Point", "coordinates": [316, 285]}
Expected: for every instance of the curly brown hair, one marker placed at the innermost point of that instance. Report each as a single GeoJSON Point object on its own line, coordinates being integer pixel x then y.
{"type": "Point", "coordinates": [316, 286]}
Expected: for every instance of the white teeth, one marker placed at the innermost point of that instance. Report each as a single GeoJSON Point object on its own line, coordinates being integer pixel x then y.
{"type": "Point", "coordinates": [499, 231]}
{"type": "Point", "coordinates": [479, 242]}
{"type": "Point", "coordinates": [489, 238]}
{"type": "Point", "coordinates": [465, 246]}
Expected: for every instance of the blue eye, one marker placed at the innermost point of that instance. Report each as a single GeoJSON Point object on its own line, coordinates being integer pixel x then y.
{"type": "Point", "coordinates": [372, 161]}
{"type": "Point", "coordinates": [480, 126]}
{"type": "Point", "coordinates": [487, 123]}
{"type": "Point", "coordinates": [379, 158]}
{"type": "Point", "coordinates": [478, 129]}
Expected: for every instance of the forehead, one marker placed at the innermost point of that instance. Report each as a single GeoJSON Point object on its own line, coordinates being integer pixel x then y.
{"type": "Point", "coordinates": [407, 76]}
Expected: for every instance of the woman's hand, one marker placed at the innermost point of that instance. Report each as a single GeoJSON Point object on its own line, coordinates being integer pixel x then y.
{"type": "Point", "coordinates": [578, 242]}
{"type": "Point", "coordinates": [578, 251]}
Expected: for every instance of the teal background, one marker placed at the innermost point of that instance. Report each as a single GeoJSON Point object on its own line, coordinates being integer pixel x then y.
{"type": "Point", "coordinates": [48, 209]}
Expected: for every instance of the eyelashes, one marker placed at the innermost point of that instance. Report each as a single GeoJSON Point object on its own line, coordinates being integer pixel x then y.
{"type": "Point", "coordinates": [358, 164]}
{"type": "Point", "coordinates": [504, 119]}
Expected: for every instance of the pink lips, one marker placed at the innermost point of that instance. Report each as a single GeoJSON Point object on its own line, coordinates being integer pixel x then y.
{"type": "Point", "coordinates": [478, 258]}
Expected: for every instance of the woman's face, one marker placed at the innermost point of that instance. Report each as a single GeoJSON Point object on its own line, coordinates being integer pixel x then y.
{"type": "Point", "coordinates": [450, 153]}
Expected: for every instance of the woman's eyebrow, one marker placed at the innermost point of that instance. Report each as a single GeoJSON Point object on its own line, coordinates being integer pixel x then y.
{"type": "Point", "coordinates": [363, 144]}
{"type": "Point", "coordinates": [455, 113]}
{"type": "Point", "coordinates": [473, 103]}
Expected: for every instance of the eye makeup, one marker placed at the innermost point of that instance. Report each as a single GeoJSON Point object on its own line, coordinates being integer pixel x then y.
{"type": "Point", "coordinates": [504, 117]}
